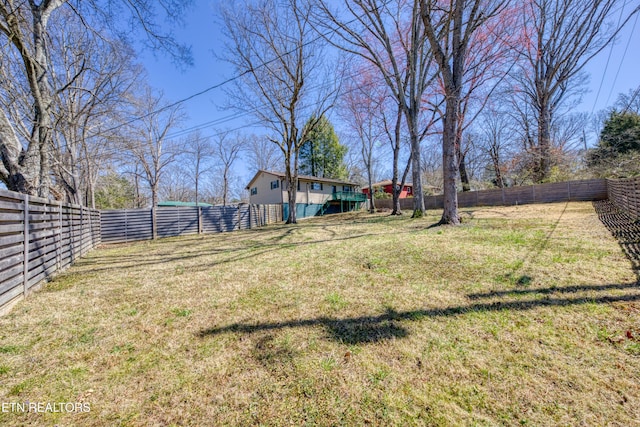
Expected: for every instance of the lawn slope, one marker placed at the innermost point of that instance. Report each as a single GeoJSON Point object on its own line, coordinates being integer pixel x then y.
{"type": "Point", "coordinates": [526, 315]}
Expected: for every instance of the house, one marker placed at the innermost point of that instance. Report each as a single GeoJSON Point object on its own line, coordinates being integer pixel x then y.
{"type": "Point", "coordinates": [315, 196]}
{"type": "Point", "coordinates": [385, 186]}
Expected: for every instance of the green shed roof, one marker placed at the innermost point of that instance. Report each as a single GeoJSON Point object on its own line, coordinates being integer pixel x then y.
{"type": "Point", "coordinates": [170, 203]}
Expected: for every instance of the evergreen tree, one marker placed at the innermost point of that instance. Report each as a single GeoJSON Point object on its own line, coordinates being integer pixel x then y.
{"type": "Point", "coordinates": [618, 150]}
{"type": "Point", "coordinates": [115, 192]}
{"type": "Point", "coordinates": [621, 132]}
{"type": "Point", "coordinates": [322, 155]}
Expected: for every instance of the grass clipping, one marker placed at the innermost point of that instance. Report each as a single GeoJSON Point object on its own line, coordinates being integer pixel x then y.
{"type": "Point", "coordinates": [522, 315]}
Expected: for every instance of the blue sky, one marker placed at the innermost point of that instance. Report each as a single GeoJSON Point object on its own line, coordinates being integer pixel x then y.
{"type": "Point", "coordinates": [205, 37]}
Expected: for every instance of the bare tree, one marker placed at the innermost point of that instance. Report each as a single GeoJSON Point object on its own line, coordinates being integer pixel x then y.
{"type": "Point", "coordinates": [362, 106]}
{"type": "Point", "coordinates": [272, 46]}
{"type": "Point", "coordinates": [227, 149]}
{"type": "Point", "coordinates": [449, 27]}
{"type": "Point", "coordinates": [494, 129]}
{"type": "Point", "coordinates": [262, 154]}
{"type": "Point", "coordinates": [197, 156]}
{"type": "Point", "coordinates": [101, 72]}
{"type": "Point", "coordinates": [390, 36]}
{"type": "Point", "coordinates": [26, 140]}
{"type": "Point", "coordinates": [559, 38]}
{"type": "Point", "coordinates": [148, 143]}
{"type": "Point", "coordinates": [177, 183]}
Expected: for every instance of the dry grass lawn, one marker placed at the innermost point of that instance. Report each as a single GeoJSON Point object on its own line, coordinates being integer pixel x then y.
{"type": "Point", "coordinates": [526, 315]}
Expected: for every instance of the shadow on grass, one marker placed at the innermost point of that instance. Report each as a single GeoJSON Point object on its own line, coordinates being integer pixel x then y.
{"type": "Point", "coordinates": [244, 248]}
{"type": "Point", "coordinates": [624, 228]}
{"type": "Point", "coordinates": [370, 329]}
{"type": "Point", "coordinates": [553, 289]}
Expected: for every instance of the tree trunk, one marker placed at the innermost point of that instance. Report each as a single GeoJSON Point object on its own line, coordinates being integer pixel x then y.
{"type": "Point", "coordinates": [224, 188]}
{"type": "Point", "coordinates": [372, 206]}
{"type": "Point", "coordinates": [450, 167]}
{"type": "Point", "coordinates": [496, 169]}
{"type": "Point", "coordinates": [419, 208]}
{"type": "Point", "coordinates": [544, 145]}
{"type": "Point", "coordinates": [154, 213]}
{"type": "Point", "coordinates": [464, 177]}
{"type": "Point", "coordinates": [42, 92]}
{"type": "Point", "coordinates": [291, 176]}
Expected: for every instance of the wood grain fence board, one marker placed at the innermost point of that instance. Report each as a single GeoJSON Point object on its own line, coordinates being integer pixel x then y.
{"type": "Point", "coordinates": [11, 261]}
{"type": "Point", "coordinates": [10, 281]}
{"type": "Point", "coordinates": [10, 250]}
{"type": "Point", "coordinates": [625, 195]}
{"type": "Point", "coordinates": [9, 297]}
{"type": "Point", "coordinates": [34, 235]}
{"type": "Point", "coordinates": [586, 190]}
{"type": "Point", "coordinates": [12, 228]}
{"type": "Point", "coordinates": [11, 205]}
{"type": "Point", "coordinates": [11, 239]}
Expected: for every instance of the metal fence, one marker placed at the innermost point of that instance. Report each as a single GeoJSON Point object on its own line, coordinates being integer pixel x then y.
{"type": "Point", "coordinates": [128, 225]}
{"type": "Point", "coordinates": [625, 195]}
{"type": "Point", "coordinates": [37, 238]}
{"type": "Point", "coordinates": [586, 190]}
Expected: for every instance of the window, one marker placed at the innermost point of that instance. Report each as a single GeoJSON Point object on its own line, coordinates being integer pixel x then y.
{"type": "Point", "coordinates": [408, 190]}
{"type": "Point", "coordinates": [275, 184]}
{"type": "Point", "coordinates": [254, 191]}
{"type": "Point", "coordinates": [316, 186]}
{"type": "Point", "coordinates": [334, 189]}
{"type": "Point", "coordinates": [346, 188]}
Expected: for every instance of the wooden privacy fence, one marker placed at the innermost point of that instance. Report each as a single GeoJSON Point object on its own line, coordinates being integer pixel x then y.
{"type": "Point", "coordinates": [128, 225]}
{"type": "Point", "coordinates": [37, 238]}
{"type": "Point", "coordinates": [586, 190]}
{"type": "Point", "coordinates": [625, 195]}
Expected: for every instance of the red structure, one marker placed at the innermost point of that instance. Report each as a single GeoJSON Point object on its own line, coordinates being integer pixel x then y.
{"type": "Point", "coordinates": [407, 190]}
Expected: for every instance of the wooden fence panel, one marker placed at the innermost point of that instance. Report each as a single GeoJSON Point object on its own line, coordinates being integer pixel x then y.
{"type": "Point", "coordinates": [625, 195]}
{"type": "Point", "coordinates": [244, 217]}
{"type": "Point", "coordinates": [219, 219]}
{"type": "Point", "coordinates": [128, 225]}
{"type": "Point", "coordinates": [12, 244]}
{"type": "Point", "coordinates": [593, 189]}
{"type": "Point", "coordinates": [267, 214]}
{"type": "Point", "coordinates": [177, 221]}
{"type": "Point", "coordinates": [125, 225]}
{"type": "Point", "coordinates": [38, 238]}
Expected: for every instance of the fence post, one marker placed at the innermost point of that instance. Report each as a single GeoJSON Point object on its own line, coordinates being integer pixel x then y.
{"type": "Point", "coordinates": [59, 245]}
{"type": "Point", "coordinates": [569, 191]}
{"type": "Point", "coordinates": [25, 270]}
{"type": "Point", "coordinates": [533, 188]}
{"type": "Point", "coordinates": [81, 230]}
{"type": "Point", "coordinates": [636, 197]}
{"type": "Point", "coordinates": [154, 223]}
{"type": "Point", "coordinates": [199, 219]}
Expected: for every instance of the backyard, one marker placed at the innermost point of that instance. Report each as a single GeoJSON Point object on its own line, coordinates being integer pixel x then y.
{"type": "Point", "coordinates": [523, 315]}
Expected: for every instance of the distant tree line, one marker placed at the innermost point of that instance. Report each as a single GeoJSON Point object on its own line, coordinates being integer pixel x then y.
{"type": "Point", "coordinates": [455, 95]}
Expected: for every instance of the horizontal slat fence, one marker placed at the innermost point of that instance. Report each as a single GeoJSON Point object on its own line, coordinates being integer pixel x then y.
{"type": "Point", "coordinates": [585, 190]}
{"type": "Point", "coordinates": [37, 238]}
{"type": "Point", "coordinates": [625, 195]}
{"type": "Point", "coordinates": [128, 225]}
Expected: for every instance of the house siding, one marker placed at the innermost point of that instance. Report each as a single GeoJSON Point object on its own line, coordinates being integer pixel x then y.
{"type": "Point", "coordinates": [309, 201]}
{"type": "Point", "coordinates": [407, 191]}
{"type": "Point", "coordinates": [266, 195]}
